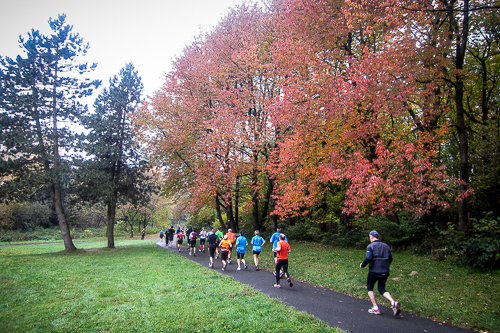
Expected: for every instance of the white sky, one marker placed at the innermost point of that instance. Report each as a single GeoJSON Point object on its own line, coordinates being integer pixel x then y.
{"type": "Point", "coordinates": [147, 33]}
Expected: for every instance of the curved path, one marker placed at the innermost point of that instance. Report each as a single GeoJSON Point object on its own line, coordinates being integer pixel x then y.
{"type": "Point", "coordinates": [335, 309]}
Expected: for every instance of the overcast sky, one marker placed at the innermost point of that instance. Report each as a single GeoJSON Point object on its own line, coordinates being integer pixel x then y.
{"type": "Point", "coordinates": [147, 33]}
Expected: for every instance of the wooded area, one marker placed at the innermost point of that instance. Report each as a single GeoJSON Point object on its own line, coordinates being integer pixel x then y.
{"type": "Point", "coordinates": [331, 117]}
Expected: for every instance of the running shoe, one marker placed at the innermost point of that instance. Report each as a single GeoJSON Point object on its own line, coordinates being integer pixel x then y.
{"type": "Point", "coordinates": [189, 253]}
{"type": "Point", "coordinates": [257, 268]}
{"type": "Point", "coordinates": [395, 309]}
{"type": "Point", "coordinates": [229, 261]}
{"type": "Point", "coordinates": [194, 254]}
{"type": "Point", "coordinates": [290, 283]}
{"type": "Point", "coordinates": [277, 286]}
{"type": "Point", "coordinates": [246, 266]}
{"type": "Point", "coordinates": [238, 269]}
{"type": "Point", "coordinates": [374, 311]}
{"type": "Point", "coordinates": [281, 274]}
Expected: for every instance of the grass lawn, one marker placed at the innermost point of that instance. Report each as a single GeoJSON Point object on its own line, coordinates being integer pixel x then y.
{"type": "Point", "coordinates": [424, 287]}
{"type": "Point", "coordinates": [137, 287]}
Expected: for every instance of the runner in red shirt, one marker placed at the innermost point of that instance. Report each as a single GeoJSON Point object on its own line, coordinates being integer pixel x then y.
{"type": "Point", "coordinates": [282, 249]}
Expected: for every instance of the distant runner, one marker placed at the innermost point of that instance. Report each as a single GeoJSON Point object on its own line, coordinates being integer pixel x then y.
{"type": "Point", "coordinates": [220, 235]}
{"type": "Point", "coordinates": [180, 239]}
{"type": "Point", "coordinates": [241, 249]}
{"type": "Point", "coordinates": [232, 238]}
{"type": "Point", "coordinates": [203, 236]}
{"type": "Point", "coordinates": [225, 246]}
{"type": "Point", "coordinates": [213, 243]}
{"type": "Point", "coordinates": [257, 243]}
{"type": "Point", "coordinates": [192, 241]}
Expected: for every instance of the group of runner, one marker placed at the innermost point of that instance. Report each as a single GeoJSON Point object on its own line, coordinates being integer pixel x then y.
{"type": "Point", "coordinates": [169, 235]}
{"type": "Point", "coordinates": [378, 256]}
{"type": "Point", "coordinates": [223, 246]}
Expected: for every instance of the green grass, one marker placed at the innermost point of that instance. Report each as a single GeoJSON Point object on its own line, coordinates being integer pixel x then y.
{"type": "Point", "coordinates": [440, 290]}
{"type": "Point", "coordinates": [137, 287]}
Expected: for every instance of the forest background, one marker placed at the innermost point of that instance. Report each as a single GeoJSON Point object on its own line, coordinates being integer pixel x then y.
{"type": "Point", "coordinates": [331, 118]}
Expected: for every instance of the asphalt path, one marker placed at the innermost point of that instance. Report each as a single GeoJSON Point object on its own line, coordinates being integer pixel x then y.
{"type": "Point", "coordinates": [335, 309]}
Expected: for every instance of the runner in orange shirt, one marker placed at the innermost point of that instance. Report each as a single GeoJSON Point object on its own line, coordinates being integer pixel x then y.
{"type": "Point", "coordinates": [232, 238]}
{"type": "Point", "coordinates": [225, 246]}
{"type": "Point", "coordinates": [282, 249]}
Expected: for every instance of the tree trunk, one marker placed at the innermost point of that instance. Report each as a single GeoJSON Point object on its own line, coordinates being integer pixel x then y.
{"type": "Point", "coordinates": [219, 213]}
{"type": "Point", "coordinates": [236, 201]}
{"type": "Point", "coordinates": [55, 190]}
{"type": "Point", "coordinates": [267, 202]}
{"type": "Point", "coordinates": [230, 217]}
{"type": "Point", "coordinates": [463, 144]}
{"type": "Point", "coordinates": [111, 224]}
{"type": "Point", "coordinates": [55, 193]}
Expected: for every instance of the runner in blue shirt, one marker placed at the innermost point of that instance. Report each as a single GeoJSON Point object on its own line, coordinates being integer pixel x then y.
{"type": "Point", "coordinates": [257, 243]}
{"type": "Point", "coordinates": [241, 249]}
{"type": "Point", "coordinates": [275, 238]}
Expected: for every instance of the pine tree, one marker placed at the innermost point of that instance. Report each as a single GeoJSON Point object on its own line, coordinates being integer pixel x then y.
{"type": "Point", "coordinates": [39, 107]}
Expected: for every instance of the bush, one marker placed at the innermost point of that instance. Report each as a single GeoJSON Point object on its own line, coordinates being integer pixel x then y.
{"type": "Point", "coordinates": [402, 235]}
{"type": "Point", "coordinates": [347, 237]}
{"type": "Point", "coordinates": [479, 253]}
{"type": "Point", "coordinates": [304, 231]}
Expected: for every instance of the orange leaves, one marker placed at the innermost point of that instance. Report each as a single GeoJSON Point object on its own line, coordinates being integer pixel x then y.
{"type": "Point", "coordinates": [311, 93]}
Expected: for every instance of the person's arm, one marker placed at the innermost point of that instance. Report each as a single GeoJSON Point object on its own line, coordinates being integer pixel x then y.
{"type": "Point", "coordinates": [369, 256]}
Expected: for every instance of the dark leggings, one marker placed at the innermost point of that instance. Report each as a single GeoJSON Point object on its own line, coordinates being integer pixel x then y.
{"type": "Point", "coordinates": [373, 278]}
{"type": "Point", "coordinates": [282, 263]}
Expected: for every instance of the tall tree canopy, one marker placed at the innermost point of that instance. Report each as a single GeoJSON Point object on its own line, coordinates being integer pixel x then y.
{"type": "Point", "coordinates": [39, 96]}
{"type": "Point", "coordinates": [115, 170]}
{"type": "Point", "coordinates": [379, 99]}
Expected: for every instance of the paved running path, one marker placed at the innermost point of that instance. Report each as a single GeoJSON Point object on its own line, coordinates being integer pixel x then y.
{"type": "Point", "coordinates": [335, 309]}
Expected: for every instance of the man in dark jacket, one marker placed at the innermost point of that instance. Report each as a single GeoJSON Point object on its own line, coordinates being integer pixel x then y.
{"type": "Point", "coordinates": [379, 256]}
{"type": "Point", "coordinates": [213, 243]}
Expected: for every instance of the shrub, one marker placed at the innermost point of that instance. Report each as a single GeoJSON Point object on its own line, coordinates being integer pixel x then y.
{"type": "Point", "coordinates": [479, 253]}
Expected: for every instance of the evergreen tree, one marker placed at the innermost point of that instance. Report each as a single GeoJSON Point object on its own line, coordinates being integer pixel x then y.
{"type": "Point", "coordinates": [38, 108]}
{"type": "Point", "coordinates": [116, 172]}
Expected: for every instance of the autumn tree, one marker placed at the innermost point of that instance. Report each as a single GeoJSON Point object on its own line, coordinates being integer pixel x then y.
{"type": "Point", "coordinates": [215, 131]}
{"type": "Point", "coordinates": [360, 99]}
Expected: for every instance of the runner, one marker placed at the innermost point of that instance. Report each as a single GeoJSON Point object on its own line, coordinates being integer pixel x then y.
{"type": "Point", "coordinates": [192, 237]}
{"type": "Point", "coordinates": [180, 239]}
{"type": "Point", "coordinates": [143, 233]}
{"type": "Point", "coordinates": [225, 246]}
{"type": "Point", "coordinates": [232, 238]}
{"type": "Point", "coordinates": [203, 235]}
{"type": "Point", "coordinates": [379, 256]}
{"type": "Point", "coordinates": [241, 249]}
{"type": "Point", "coordinates": [188, 233]}
{"type": "Point", "coordinates": [220, 235]}
{"type": "Point", "coordinates": [275, 239]}
{"type": "Point", "coordinates": [213, 243]}
{"type": "Point", "coordinates": [171, 233]}
{"type": "Point", "coordinates": [161, 235]}
{"type": "Point", "coordinates": [282, 250]}
{"type": "Point", "coordinates": [257, 243]}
